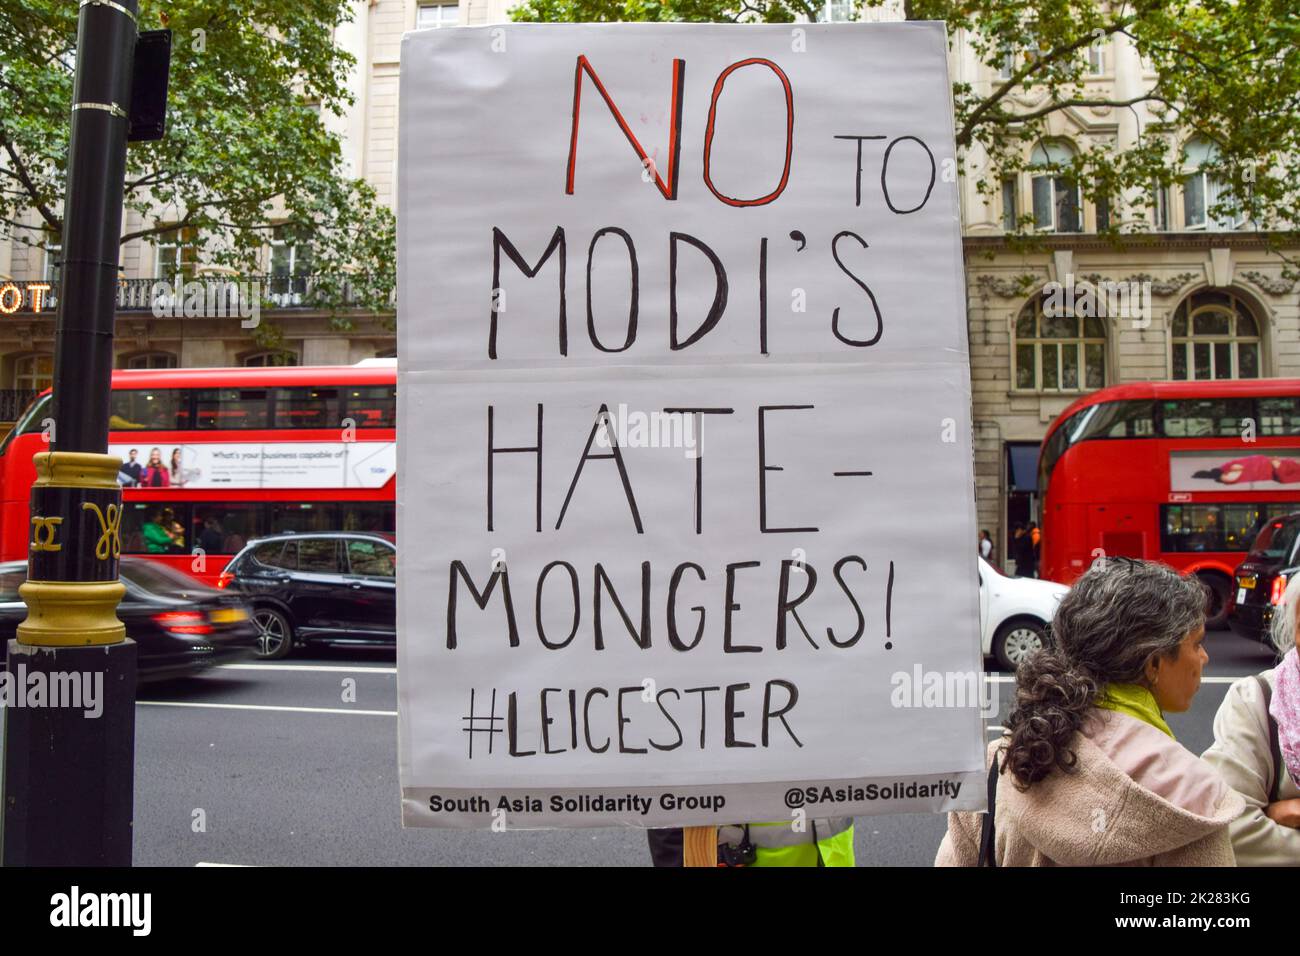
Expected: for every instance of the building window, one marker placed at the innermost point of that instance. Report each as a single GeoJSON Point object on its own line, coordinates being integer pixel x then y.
{"type": "Point", "coordinates": [149, 360]}
{"type": "Point", "coordinates": [430, 16]}
{"type": "Point", "coordinates": [53, 272]}
{"type": "Point", "coordinates": [1160, 207]}
{"type": "Point", "coordinates": [836, 11]}
{"type": "Point", "coordinates": [1215, 336]}
{"type": "Point", "coordinates": [1056, 194]}
{"type": "Point", "coordinates": [34, 372]}
{"type": "Point", "coordinates": [1010, 208]}
{"type": "Point", "coordinates": [1097, 58]}
{"type": "Point", "coordinates": [178, 253]}
{"type": "Point", "coordinates": [264, 359]}
{"type": "Point", "coordinates": [1203, 190]}
{"type": "Point", "coordinates": [1103, 214]}
{"type": "Point", "coordinates": [291, 264]}
{"type": "Point", "coordinates": [1008, 66]}
{"type": "Point", "coordinates": [1058, 353]}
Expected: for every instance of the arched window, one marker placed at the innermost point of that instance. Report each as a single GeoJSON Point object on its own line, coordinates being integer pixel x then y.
{"type": "Point", "coordinates": [1202, 189]}
{"type": "Point", "coordinates": [148, 360]}
{"type": "Point", "coordinates": [274, 357]}
{"type": "Point", "coordinates": [34, 372]}
{"type": "Point", "coordinates": [1057, 206]}
{"type": "Point", "coordinates": [1215, 335]}
{"type": "Point", "coordinates": [1058, 352]}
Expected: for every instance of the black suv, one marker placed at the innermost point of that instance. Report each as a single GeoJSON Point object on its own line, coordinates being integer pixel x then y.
{"type": "Point", "coordinates": [330, 588]}
{"type": "Point", "coordinates": [1261, 578]}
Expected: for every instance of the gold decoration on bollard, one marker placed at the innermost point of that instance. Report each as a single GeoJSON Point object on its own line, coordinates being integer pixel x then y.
{"type": "Point", "coordinates": [110, 537]}
{"type": "Point", "coordinates": [44, 532]}
{"type": "Point", "coordinates": [77, 613]}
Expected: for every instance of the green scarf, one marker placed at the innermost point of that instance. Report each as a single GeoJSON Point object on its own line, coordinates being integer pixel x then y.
{"type": "Point", "coordinates": [1134, 700]}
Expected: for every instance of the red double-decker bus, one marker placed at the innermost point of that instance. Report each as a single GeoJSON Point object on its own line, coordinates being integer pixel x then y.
{"type": "Point", "coordinates": [1181, 472]}
{"type": "Point", "coordinates": [213, 457]}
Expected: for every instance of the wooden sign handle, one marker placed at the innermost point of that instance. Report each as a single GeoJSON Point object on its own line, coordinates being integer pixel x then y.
{"type": "Point", "coordinates": [700, 846]}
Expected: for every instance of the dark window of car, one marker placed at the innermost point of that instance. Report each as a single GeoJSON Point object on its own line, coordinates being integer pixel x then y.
{"type": "Point", "coordinates": [1275, 540]}
{"type": "Point", "coordinates": [1206, 417]}
{"type": "Point", "coordinates": [372, 406]}
{"type": "Point", "coordinates": [318, 555]}
{"type": "Point", "coordinates": [162, 409]}
{"type": "Point", "coordinates": [307, 407]}
{"type": "Point", "coordinates": [9, 584]}
{"type": "Point", "coordinates": [230, 408]}
{"type": "Point", "coordinates": [371, 558]}
{"type": "Point", "coordinates": [161, 579]}
{"type": "Point", "coordinates": [1279, 416]}
{"type": "Point", "coordinates": [271, 555]}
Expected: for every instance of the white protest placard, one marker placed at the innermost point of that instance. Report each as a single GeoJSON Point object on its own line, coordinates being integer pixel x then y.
{"type": "Point", "coordinates": [685, 488]}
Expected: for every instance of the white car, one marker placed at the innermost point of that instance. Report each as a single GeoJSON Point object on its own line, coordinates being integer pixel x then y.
{"type": "Point", "coordinates": [1015, 614]}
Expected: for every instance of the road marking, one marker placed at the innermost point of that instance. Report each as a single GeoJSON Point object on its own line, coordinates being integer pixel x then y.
{"type": "Point", "coordinates": [271, 707]}
{"type": "Point", "coordinates": [203, 863]}
{"type": "Point", "coordinates": [318, 668]}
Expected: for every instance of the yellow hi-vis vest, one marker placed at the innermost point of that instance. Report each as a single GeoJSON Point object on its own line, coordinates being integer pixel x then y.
{"type": "Point", "coordinates": [779, 844]}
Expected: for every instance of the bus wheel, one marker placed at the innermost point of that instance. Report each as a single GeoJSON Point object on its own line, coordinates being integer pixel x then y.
{"type": "Point", "coordinates": [1016, 640]}
{"type": "Point", "coordinates": [1216, 603]}
{"type": "Point", "coordinates": [274, 634]}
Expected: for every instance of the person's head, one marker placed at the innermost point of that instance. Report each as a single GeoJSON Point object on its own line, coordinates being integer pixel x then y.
{"type": "Point", "coordinates": [176, 457]}
{"type": "Point", "coordinates": [1286, 617]}
{"type": "Point", "coordinates": [132, 453]}
{"type": "Point", "coordinates": [155, 456]}
{"type": "Point", "coordinates": [211, 522]}
{"type": "Point", "coordinates": [984, 535]}
{"type": "Point", "coordinates": [1123, 622]}
{"type": "Point", "coordinates": [1018, 528]}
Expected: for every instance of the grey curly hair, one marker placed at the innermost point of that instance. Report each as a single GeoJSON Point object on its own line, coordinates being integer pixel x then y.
{"type": "Point", "coordinates": [1284, 618]}
{"type": "Point", "coordinates": [1118, 616]}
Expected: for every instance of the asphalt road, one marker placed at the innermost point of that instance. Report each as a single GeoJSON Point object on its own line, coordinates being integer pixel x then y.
{"type": "Point", "coordinates": [266, 764]}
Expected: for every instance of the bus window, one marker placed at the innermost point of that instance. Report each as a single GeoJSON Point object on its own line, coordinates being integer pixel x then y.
{"type": "Point", "coordinates": [31, 420]}
{"type": "Point", "coordinates": [304, 516]}
{"type": "Point", "coordinates": [225, 527]}
{"type": "Point", "coordinates": [230, 408]}
{"type": "Point", "coordinates": [1279, 416]}
{"type": "Point", "coordinates": [367, 516]}
{"type": "Point", "coordinates": [1206, 417]}
{"type": "Point", "coordinates": [372, 406]}
{"type": "Point", "coordinates": [307, 407]}
{"type": "Point", "coordinates": [139, 408]}
{"type": "Point", "coordinates": [152, 528]}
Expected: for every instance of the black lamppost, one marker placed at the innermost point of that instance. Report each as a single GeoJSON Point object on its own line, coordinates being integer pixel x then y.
{"type": "Point", "coordinates": [69, 765]}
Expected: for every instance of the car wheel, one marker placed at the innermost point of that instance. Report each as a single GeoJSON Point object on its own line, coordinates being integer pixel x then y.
{"type": "Point", "coordinates": [274, 634]}
{"type": "Point", "coordinates": [1016, 640]}
{"type": "Point", "coordinates": [1216, 601]}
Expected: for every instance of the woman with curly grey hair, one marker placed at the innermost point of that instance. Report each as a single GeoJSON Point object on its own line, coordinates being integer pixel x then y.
{"type": "Point", "coordinates": [1089, 772]}
{"type": "Point", "coordinates": [1257, 749]}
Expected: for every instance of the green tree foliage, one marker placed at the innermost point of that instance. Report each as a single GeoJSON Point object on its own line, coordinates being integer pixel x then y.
{"type": "Point", "coordinates": [246, 146]}
{"type": "Point", "coordinates": [1225, 71]}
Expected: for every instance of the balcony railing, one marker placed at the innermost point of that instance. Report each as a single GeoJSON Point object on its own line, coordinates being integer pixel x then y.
{"type": "Point", "coordinates": [160, 296]}
{"type": "Point", "coordinates": [14, 401]}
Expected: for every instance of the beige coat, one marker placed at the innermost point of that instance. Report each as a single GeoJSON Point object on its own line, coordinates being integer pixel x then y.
{"type": "Point", "coordinates": [1243, 756]}
{"type": "Point", "coordinates": [1135, 798]}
